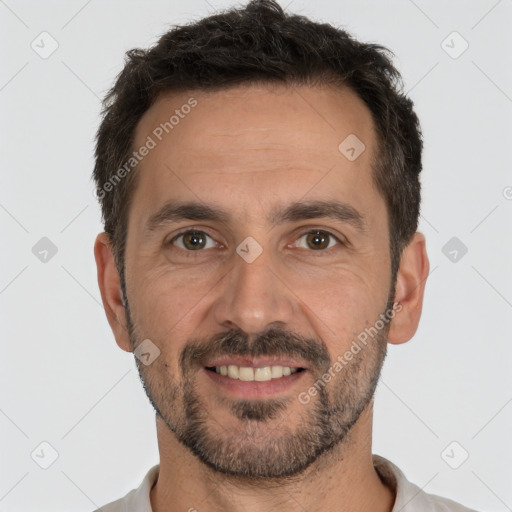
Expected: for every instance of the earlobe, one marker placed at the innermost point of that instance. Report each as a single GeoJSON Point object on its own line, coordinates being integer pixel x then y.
{"type": "Point", "coordinates": [409, 291]}
{"type": "Point", "coordinates": [110, 288]}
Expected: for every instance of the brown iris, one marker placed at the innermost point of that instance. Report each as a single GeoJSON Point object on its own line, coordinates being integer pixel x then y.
{"type": "Point", "coordinates": [318, 239]}
{"type": "Point", "coordinates": [194, 240]}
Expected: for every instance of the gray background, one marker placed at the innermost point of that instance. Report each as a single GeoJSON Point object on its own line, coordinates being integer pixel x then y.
{"type": "Point", "coordinates": [63, 378]}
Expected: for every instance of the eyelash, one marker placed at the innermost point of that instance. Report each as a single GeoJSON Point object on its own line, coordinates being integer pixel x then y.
{"type": "Point", "coordinates": [319, 252]}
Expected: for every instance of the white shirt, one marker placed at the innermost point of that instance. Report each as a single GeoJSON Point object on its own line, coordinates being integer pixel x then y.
{"type": "Point", "coordinates": [409, 497]}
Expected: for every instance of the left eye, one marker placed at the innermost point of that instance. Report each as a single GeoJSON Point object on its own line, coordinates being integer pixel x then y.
{"type": "Point", "coordinates": [317, 240]}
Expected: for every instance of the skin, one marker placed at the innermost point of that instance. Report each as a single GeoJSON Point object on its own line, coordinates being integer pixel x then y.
{"type": "Point", "coordinates": [247, 149]}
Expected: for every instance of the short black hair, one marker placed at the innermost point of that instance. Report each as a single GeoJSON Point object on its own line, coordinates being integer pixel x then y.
{"type": "Point", "coordinates": [254, 44]}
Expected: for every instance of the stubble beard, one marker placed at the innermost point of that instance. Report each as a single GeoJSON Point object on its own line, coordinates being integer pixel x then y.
{"type": "Point", "coordinates": [260, 442]}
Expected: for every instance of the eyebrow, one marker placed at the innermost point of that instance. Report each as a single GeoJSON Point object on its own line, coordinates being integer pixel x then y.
{"type": "Point", "coordinates": [175, 211]}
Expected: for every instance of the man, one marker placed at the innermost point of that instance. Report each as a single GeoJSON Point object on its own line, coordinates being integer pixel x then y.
{"type": "Point", "coordinates": [259, 182]}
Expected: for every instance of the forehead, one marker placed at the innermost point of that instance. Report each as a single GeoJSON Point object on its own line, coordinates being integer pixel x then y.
{"type": "Point", "coordinates": [236, 115]}
{"type": "Point", "coordinates": [252, 144]}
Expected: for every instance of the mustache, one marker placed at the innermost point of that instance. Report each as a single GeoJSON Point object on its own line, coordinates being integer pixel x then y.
{"type": "Point", "coordinates": [273, 342]}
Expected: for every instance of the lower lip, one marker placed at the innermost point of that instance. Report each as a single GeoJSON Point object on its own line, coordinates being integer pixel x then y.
{"type": "Point", "coordinates": [255, 389]}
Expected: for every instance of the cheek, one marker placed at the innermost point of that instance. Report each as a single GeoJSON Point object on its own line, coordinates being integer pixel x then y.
{"type": "Point", "coordinates": [165, 303]}
{"type": "Point", "coordinates": [340, 304]}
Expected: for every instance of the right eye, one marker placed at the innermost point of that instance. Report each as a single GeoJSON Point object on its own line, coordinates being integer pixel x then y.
{"type": "Point", "coordinates": [192, 240]}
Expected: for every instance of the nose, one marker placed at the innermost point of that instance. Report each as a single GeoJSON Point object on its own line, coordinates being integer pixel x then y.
{"type": "Point", "coordinates": [254, 296]}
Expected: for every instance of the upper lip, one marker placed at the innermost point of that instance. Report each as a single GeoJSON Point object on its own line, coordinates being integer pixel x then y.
{"type": "Point", "coordinates": [256, 362]}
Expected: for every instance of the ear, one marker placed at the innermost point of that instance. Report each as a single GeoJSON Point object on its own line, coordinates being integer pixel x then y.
{"type": "Point", "coordinates": [110, 288]}
{"type": "Point", "coordinates": [410, 287]}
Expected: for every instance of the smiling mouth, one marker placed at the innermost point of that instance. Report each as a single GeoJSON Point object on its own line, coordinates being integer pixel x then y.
{"type": "Point", "coordinates": [258, 374]}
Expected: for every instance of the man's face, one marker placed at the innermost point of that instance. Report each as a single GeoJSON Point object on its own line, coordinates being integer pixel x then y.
{"type": "Point", "coordinates": [263, 286]}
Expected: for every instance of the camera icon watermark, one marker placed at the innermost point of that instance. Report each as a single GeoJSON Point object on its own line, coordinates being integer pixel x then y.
{"type": "Point", "coordinates": [44, 45]}
{"type": "Point", "coordinates": [249, 249]}
{"type": "Point", "coordinates": [44, 250]}
{"type": "Point", "coordinates": [454, 249]}
{"type": "Point", "coordinates": [146, 352]}
{"type": "Point", "coordinates": [44, 455]}
{"type": "Point", "coordinates": [352, 147]}
{"type": "Point", "coordinates": [454, 45]}
{"type": "Point", "coordinates": [455, 455]}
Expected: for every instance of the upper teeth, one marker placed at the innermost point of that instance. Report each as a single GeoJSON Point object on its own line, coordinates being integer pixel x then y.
{"type": "Point", "coordinates": [257, 374]}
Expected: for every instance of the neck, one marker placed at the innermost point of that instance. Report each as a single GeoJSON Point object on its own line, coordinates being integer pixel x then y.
{"type": "Point", "coordinates": [342, 479]}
